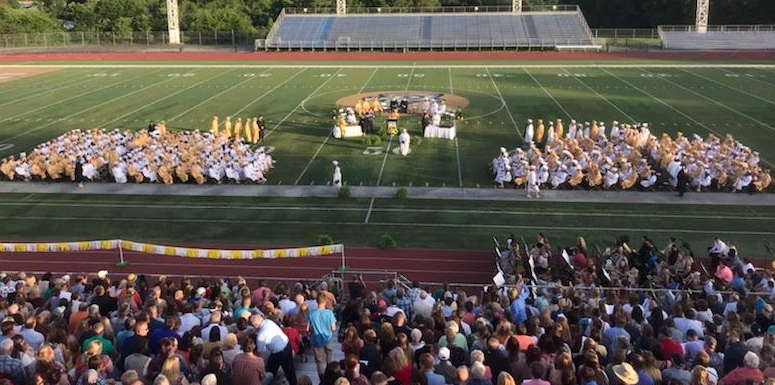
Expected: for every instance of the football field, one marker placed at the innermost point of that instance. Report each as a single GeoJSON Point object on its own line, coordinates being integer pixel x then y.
{"type": "Point", "coordinates": [297, 102]}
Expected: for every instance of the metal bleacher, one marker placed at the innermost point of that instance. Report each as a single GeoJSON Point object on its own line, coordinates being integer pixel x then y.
{"type": "Point", "coordinates": [565, 27]}
{"type": "Point", "coordinates": [721, 37]}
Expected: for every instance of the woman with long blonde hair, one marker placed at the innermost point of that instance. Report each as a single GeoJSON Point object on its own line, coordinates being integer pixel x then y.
{"type": "Point", "coordinates": [94, 349]}
{"type": "Point", "coordinates": [51, 371]}
{"type": "Point", "coordinates": [506, 379]}
{"type": "Point", "coordinates": [403, 366]}
{"type": "Point", "coordinates": [171, 370]}
{"type": "Point", "coordinates": [700, 376]}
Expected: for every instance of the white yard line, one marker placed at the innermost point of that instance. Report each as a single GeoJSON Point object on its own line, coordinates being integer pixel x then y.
{"type": "Point", "coordinates": [385, 224]}
{"type": "Point", "coordinates": [164, 98]}
{"type": "Point", "coordinates": [245, 107]}
{"type": "Point", "coordinates": [601, 96]}
{"type": "Point", "coordinates": [459, 169]}
{"type": "Point", "coordinates": [213, 97]}
{"type": "Point", "coordinates": [697, 122]}
{"type": "Point", "coordinates": [500, 95]}
{"type": "Point", "coordinates": [729, 87]}
{"type": "Point", "coordinates": [55, 121]}
{"type": "Point", "coordinates": [302, 102]}
{"type": "Point", "coordinates": [548, 94]}
{"type": "Point", "coordinates": [329, 136]}
{"type": "Point", "coordinates": [457, 148]}
{"type": "Point", "coordinates": [714, 101]}
{"type": "Point", "coordinates": [78, 96]}
{"type": "Point", "coordinates": [47, 91]}
{"type": "Point", "coordinates": [130, 205]}
{"type": "Point", "coordinates": [410, 76]}
{"type": "Point", "coordinates": [379, 178]}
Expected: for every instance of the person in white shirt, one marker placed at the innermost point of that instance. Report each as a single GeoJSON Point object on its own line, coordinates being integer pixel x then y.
{"type": "Point", "coordinates": [403, 142]}
{"type": "Point", "coordinates": [215, 322]}
{"type": "Point", "coordinates": [532, 183]}
{"type": "Point", "coordinates": [336, 178]}
{"type": "Point", "coordinates": [529, 133]}
{"type": "Point", "coordinates": [188, 320]}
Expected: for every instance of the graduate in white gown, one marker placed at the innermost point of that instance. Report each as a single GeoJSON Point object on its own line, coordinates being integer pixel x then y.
{"type": "Point", "coordinates": [532, 183]}
{"type": "Point", "coordinates": [529, 133]}
{"type": "Point", "coordinates": [403, 142]}
{"type": "Point", "coordinates": [336, 177]}
{"type": "Point", "coordinates": [436, 120]}
{"type": "Point", "coordinates": [119, 172]}
{"type": "Point", "coordinates": [743, 182]}
{"type": "Point", "coordinates": [550, 134]}
{"type": "Point", "coordinates": [89, 171]}
{"type": "Point", "coordinates": [573, 129]}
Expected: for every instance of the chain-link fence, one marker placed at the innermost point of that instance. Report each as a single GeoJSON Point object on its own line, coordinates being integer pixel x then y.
{"type": "Point", "coordinates": [139, 39]}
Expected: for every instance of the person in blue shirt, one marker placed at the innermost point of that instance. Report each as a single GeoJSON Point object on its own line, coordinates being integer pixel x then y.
{"type": "Point", "coordinates": [427, 368]}
{"type": "Point", "coordinates": [322, 325]}
{"type": "Point", "coordinates": [517, 306]}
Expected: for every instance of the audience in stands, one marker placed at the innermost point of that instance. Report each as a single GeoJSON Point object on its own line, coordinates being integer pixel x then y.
{"type": "Point", "coordinates": [624, 316]}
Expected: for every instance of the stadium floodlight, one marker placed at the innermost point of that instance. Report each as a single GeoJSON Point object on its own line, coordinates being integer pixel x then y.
{"type": "Point", "coordinates": [554, 7]}
{"type": "Point", "coordinates": [379, 10]}
{"type": "Point", "coordinates": [476, 9]}
{"type": "Point", "coordinates": [702, 15]}
{"type": "Point", "coordinates": [305, 10]}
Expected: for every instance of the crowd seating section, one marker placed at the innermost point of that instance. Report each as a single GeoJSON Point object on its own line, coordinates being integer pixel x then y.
{"type": "Point", "coordinates": [718, 40]}
{"type": "Point", "coordinates": [470, 30]}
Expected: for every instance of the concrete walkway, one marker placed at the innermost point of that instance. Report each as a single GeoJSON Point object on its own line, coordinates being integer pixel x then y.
{"type": "Point", "coordinates": [230, 190]}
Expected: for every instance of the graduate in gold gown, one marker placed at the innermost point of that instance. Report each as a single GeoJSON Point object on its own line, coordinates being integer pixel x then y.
{"type": "Point", "coordinates": [376, 107]}
{"type": "Point", "coordinates": [238, 129]}
{"type": "Point", "coordinates": [8, 167]}
{"type": "Point", "coordinates": [227, 128]}
{"type": "Point", "coordinates": [539, 138]}
{"type": "Point", "coordinates": [249, 130]}
{"type": "Point", "coordinates": [214, 126]}
{"type": "Point", "coordinates": [256, 130]}
{"type": "Point", "coordinates": [358, 108]}
{"type": "Point", "coordinates": [182, 172]}
{"type": "Point", "coordinates": [162, 127]}
{"type": "Point", "coordinates": [594, 133]}
{"type": "Point", "coordinates": [558, 128]}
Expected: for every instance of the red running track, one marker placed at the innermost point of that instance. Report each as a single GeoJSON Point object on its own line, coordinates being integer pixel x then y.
{"type": "Point", "coordinates": [424, 265]}
{"type": "Point", "coordinates": [387, 56]}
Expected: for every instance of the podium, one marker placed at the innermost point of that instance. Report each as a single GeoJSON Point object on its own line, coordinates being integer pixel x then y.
{"type": "Point", "coordinates": [347, 132]}
{"type": "Point", "coordinates": [434, 131]}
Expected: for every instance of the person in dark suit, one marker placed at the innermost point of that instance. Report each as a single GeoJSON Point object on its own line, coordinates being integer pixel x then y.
{"type": "Point", "coordinates": [79, 172]}
{"type": "Point", "coordinates": [261, 128]}
{"type": "Point", "coordinates": [683, 182]}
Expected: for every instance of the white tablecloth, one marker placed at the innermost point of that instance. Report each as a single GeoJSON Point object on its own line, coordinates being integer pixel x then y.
{"type": "Point", "coordinates": [349, 131]}
{"type": "Point", "coordinates": [440, 132]}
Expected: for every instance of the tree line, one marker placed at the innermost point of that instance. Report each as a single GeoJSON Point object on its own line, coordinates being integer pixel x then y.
{"type": "Point", "coordinates": [257, 16]}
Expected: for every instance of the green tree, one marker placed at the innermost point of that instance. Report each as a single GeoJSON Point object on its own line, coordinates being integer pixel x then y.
{"type": "Point", "coordinates": [26, 21]}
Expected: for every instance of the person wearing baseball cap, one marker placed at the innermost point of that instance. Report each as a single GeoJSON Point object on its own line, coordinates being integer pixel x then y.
{"type": "Point", "coordinates": [444, 367]}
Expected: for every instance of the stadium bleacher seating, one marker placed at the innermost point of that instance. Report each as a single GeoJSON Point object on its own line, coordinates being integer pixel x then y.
{"type": "Point", "coordinates": [463, 30]}
{"type": "Point", "coordinates": [720, 39]}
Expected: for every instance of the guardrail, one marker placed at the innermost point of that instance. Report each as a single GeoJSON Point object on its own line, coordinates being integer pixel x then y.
{"type": "Point", "coordinates": [719, 28]}
{"type": "Point", "coordinates": [466, 9]}
{"type": "Point", "coordinates": [392, 45]}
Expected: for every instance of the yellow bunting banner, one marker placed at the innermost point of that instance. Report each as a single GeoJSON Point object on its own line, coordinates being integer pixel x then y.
{"type": "Point", "coordinates": [176, 251]}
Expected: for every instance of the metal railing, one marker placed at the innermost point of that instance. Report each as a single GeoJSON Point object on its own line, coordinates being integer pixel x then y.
{"type": "Point", "coordinates": [138, 39]}
{"type": "Point", "coordinates": [719, 28]}
{"type": "Point", "coordinates": [384, 45]}
{"type": "Point", "coordinates": [404, 10]}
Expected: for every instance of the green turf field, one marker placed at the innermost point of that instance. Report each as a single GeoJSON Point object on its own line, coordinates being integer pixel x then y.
{"type": "Point", "coordinates": [412, 223]}
{"type": "Point", "coordinates": [297, 103]}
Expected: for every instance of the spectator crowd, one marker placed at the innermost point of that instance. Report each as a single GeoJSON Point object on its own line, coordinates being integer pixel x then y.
{"type": "Point", "coordinates": [651, 315]}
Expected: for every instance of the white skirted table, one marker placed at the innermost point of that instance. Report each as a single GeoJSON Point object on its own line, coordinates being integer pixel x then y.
{"type": "Point", "coordinates": [433, 131]}
{"type": "Point", "coordinates": [349, 131]}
